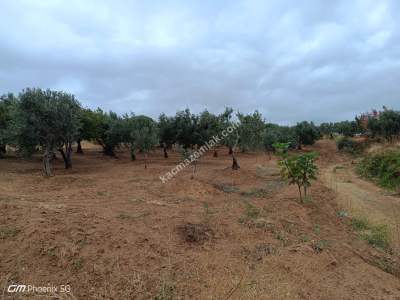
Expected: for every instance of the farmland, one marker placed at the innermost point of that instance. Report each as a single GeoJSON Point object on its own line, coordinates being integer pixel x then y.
{"type": "Point", "coordinates": [111, 229]}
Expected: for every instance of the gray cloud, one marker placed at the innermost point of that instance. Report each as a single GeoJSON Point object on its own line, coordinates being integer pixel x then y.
{"type": "Point", "coordinates": [291, 60]}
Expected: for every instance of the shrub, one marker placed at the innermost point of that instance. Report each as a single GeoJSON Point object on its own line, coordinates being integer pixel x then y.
{"type": "Point", "coordinates": [347, 144]}
{"type": "Point", "coordinates": [298, 169]}
{"type": "Point", "coordinates": [384, 168]}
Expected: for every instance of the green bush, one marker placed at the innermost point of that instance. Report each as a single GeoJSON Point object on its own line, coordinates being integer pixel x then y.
{"type": "Point", "coordinates": [347, 144]}
{"type": "Point", "coordinates": [297, 169]}
{"type": "Point", "coordinates": [384, 168]}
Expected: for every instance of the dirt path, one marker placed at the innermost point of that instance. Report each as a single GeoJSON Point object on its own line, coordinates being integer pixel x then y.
{"type": "Point", "coordinates": [360, 197]}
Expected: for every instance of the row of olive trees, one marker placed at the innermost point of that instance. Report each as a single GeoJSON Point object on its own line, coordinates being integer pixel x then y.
{"type": "Point", "coordinates": [52, 121]}
{"type": "Point", "coordinates": [345, 128]}
{"type": "Point", "coordinates": [384, 124]}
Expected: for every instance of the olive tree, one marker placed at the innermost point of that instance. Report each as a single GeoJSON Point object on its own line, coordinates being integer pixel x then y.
{"type": "Point", "coordinates": [389, 124]}
{"type": "Point", "coordinates": [327, 129]}
{"type": "Point", "coordinates": [188, 135]}
{"type": "Point", "coordinates": [68, 109]}
{"type": "Point", "coordinates": [232, 139]}
{"type": "Point", "coordinates": [89, 130]}
{"type": "Point", "coordinates": [107, 129]}
{"type": "Point", "coordinates": [49, 119]}
{"type": "Point", "coordinates": [251, 131]}
{"type": "Point", "coordinates": [346, 128]}
{"type": "Point", "coordinates": [186, 129]}
{"type": "Point", "coordinates": [144, 135]}
{"type": "Point", "coordinates": [167, 132]}
{"type": "Point", "coordinates": [278, 134]}
{"type": "Point", "coordinates": [307, 133]}
{"type": "Point", "coordinates": [209, 125]}
{"type": "Point", "coordinates": [225, 120]}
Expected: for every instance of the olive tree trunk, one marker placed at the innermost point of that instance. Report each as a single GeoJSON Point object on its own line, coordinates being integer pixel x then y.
{"type": "Point", "coordinates": [46, 163]}
{"type": "Point", "coordinates": [165, 151]}
{"type": "Point", "coordinates": [194, 169]}
{"type": "Point", "coordinates": [108, 150]}
{"type": "Point", "coordinates": [2, 150]}
{"type": "Point", "coordinates": [67, 155]}
{"type": "Point", "coordinates": [235, 164]}
{"type": "Point", "coordinates": [79, 148]}
{"type": "Point", "coordinates": [230, 150]}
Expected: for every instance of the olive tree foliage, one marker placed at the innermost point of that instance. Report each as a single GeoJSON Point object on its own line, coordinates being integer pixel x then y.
{"type": "Point", "coordinates": [327, 129]}
{"type": "Point", "coordinates": [49, 119]}
{"type": "Point", "coordinates": [386, 124]}
{"type": "Point", "coordinates": [345, 128]}
{"type": "Point", "coordinates": [167, 132]}
{"type": "Point", "coordinates": [251, 131]}
{"type": "Point", "coordinates": [107, 129]}
{"type": "Point", "coordinates": [7, 103]}
{"type": "Point", "coordinates": [188, 135]}
{"type": "Point", "coordinates": [68, 109]}
{"type": "Point", "coordinates": [390, 124]}
{"type": "Point", "coordinates": [307, 133]}
{"type": "Point", "coordinates": [209, 125]}
{"type": "Point", "coordinates": [278, 134]}
{"type": "Point", "coordinates": [226, 121]}
{"type": "Point", "coordinates": [297, 169]}
{"type": "Point", "coordinates": [90, 126]}
{"type": "Point", "coordinates": [186, 129]}
{"type": "Point", "coordinates": [143, 135]}
{"type": "Point", "coordinates": [232, 139]}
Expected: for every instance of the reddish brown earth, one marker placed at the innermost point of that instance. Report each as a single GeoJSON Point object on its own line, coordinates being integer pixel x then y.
{"type": "Point", "coordinates": [112, 230]}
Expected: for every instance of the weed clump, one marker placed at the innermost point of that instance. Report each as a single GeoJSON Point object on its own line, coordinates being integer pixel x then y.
{"type": "Point", "coordinates": [195, 233]}
{"type": "Point", "coordinates": [251, 213]}
{"type": "Point", "coordinates": [384, 168]}
{"type": "Point", "coordinates": [348, 145]}
{"type": "Point", "coordinates": [8, 232]}
{"type": "Point", "coordinates": [375, 235]}
{"type": "Point", "coordinates": [166, 292]}
{"type": "Point", "coordinates": [320, 245]}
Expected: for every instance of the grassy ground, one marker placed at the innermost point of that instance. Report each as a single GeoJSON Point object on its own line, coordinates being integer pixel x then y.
{"type": "Point", "coordinates": [112, 230]}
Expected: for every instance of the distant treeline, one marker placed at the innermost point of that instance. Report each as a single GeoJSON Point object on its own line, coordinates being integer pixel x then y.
{"type": "Point", "coordinates": [53, 121]}
{"type": "Point", "coordinates": [382, 124]}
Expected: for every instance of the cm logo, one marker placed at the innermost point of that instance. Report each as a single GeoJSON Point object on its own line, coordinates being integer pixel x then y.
{"type": "Point", "coordinates": [16, 288]}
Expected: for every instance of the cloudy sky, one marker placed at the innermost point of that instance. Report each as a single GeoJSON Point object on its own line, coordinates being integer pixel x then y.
{"type": "Point", "coordinates": [291, 60]}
